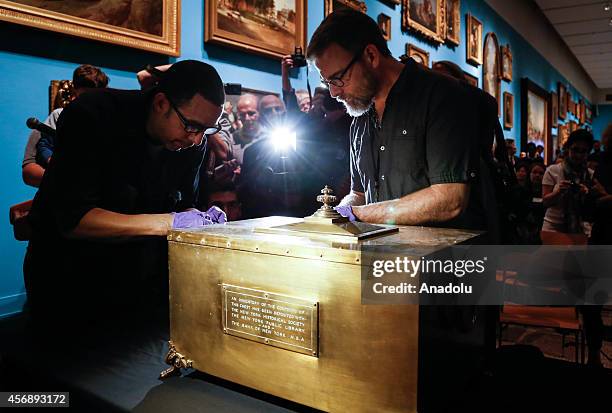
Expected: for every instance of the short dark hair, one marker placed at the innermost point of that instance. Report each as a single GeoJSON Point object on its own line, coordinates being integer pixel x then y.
{"type": "Point", "coordinates": [184, 79]}
{"type": "Point", "coordinates": [349, 29]}
{"type": "Point", "coordinates": [450, 69]}
{"type": "Point", "coordinates": [88, 76]}
{"type": "Point", "coordinates": [580, 135]}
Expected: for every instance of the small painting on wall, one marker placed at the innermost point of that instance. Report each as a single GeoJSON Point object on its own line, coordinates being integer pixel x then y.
{"type": "Point", "coordinates": [453, 22]}
{"type": "Point", "coordinates": [417, 54]}
{"type": "Point", "coordinates": [474, 40]}
{"type": "Point", "coordinates": [508, 110]}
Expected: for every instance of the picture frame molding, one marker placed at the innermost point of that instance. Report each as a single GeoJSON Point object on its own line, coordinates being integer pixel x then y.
{"type": "Point", "coordinates": [214, 35]}
{"type": "Point", "coordinates": [384, 20]}
{"type": "Point", "coordinates": [412, 50]}
{"type": "Point", "coordinates": [454, 7]}
{"type": "Point", "coordinates": [475, 60]}
{"type": "Point", "coordinates": [409, 24]}
{"type": "Point", "coordinates": [506, 54]}
{"type": "Point", "coordinates": [562, 106]}
{"type": "Point", "coordinates": [496, 74]}
{"type": "Point", "coordinates": [168, 43]}
{"type": "Point", "coordinates": [353, 4]}
{"type": "Point", "coordinates": [508, 123]}
{"type": "Point", "coordinates": [527, 86]}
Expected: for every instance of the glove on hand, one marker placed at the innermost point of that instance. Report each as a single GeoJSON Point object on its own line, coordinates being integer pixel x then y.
{"type": "Point", "coordinates": [347, 212]}
{"type": "Point", "coordinates": [196, 219]}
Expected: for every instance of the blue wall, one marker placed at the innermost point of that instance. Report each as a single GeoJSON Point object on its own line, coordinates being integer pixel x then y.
{"type": "Point", "coordinates": [30, 58]}
{"type": "Point", "coordinates": [603, 119]}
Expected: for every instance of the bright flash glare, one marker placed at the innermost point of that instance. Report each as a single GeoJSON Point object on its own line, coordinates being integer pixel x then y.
{"type": "Point", "coordinates": [283, 139]}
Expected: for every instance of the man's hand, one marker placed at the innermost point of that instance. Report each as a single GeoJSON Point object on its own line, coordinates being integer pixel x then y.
{"type": "Point", "coordinates": [196, 219]}
{"type": "Point", "coordinates": [347, 212]}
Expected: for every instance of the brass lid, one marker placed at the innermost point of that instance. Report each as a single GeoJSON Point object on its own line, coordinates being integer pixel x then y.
{"type": "Point", "coordinates": [327, 222]}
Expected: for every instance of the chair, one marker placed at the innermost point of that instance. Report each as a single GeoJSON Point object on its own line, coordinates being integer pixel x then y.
{"type": "Point", "coordinates": [563, 319]}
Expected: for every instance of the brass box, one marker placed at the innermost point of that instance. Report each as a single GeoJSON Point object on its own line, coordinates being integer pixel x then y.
{"type": "Point", "coordinates": [359, 357]}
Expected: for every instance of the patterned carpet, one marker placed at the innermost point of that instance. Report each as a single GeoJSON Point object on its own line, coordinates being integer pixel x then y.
{"type": "Point", "coordinates": [550, 341]}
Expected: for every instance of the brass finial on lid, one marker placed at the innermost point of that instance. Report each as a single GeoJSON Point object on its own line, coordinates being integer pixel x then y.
{"type": "Point", "coordinates": [327, 210]}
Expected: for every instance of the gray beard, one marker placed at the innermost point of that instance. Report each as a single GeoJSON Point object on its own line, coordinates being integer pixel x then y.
{"type": "Point", "coordinates": [356, 109]}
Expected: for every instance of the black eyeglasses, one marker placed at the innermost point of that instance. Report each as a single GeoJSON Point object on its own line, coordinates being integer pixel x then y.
{"type": "Point", "coordinates": [337, 80]}
{"type": "Point", "coordinates": [194, 127]}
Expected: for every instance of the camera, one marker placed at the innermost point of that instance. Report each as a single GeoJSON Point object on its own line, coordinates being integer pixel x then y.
{"type": "Point", "coordinates": [299, 60]}
{"type": "Point", "coordinates": [232, 88]}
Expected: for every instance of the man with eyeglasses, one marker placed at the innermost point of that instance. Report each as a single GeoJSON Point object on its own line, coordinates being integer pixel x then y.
{"type": "Point", "coordinates": [125, 166]}
{"type": "Point", "coordinates": [414, 154]}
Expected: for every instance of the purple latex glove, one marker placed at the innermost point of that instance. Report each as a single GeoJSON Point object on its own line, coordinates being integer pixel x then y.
{"type": "Point", "coordinates": [347, 212]}
{"type": "Point", "coordinates": [196, 219]}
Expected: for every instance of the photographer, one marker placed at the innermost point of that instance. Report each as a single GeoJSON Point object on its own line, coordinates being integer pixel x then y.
{"type": "Point", "coordinates": [568, 188]}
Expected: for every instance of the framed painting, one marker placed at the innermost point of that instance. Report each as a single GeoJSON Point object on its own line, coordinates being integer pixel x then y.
{"type": "Point", "coordinates": [418, 55]}
{"type": "Point", "coordinates": [268, 28]}
{"type": "Point", "coordinates": [332, 5]}
{"type": "Point", "coordinates": [474, 40]}
{"type": "Point", "coordinates": [571, 106]}
{"type": "Point", "coordinates": [472, 80]}
{"type": "Point", "coordinates": [588, 113]}
{"type": "Point", "coordinates": [582, 112]}
{"type": "Point", "coordinates": [425, 17]}
{"type": "Point", "coordinates": [506, 63]}
{"type": "Point", "coordinates": [508, 110]}
{"type": "Point", "coordinates": [535, 117]}
{"type": "Point", "coordinates": [554, 110]}
{"type": "Point", "coordinates": [562, 135]}
{"type": "Point", "coordinates": [453, 22]}
{"type": "Point", "coordinates": [147, 25]}
{"type": "Point", "coordinates": [562, 92]}
{"type": "Point", "coordinates": [384, 22]}
{"type": "Point", "coordinates": [490, 68]}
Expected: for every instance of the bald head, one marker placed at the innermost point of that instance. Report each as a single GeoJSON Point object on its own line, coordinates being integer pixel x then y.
{"type": "Point", "coordinates": [272, 109]}
{"type": "Point", "coordinates": [248, 114]}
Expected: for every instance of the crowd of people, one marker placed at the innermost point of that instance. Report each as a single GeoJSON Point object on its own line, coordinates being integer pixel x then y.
{"type": "Point", "coordinates": [399, 143]}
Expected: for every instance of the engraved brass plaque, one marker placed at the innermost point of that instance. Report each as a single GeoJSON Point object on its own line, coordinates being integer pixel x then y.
{"type": "Point", "coordinates": [272, 319]}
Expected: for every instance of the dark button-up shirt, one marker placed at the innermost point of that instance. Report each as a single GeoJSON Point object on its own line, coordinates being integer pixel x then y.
{"type": "Point", "coordinates": [427, 136]}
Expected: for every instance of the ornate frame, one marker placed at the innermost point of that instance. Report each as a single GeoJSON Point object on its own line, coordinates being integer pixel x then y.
{"type": "Point", "coordinates": [526, 87]}
{"type": "Point", "coordinates": [353, 4]}
{"type": "Point", "coordinates": [384, 22]}
{"type": "Point", "coordinates": [412, 50]}
{"type": "Point", "coordinates": [453, 34]}
{"type": "Point", "coordinates": [168, 43]}
{"type": "Point", "coordinates": [508, 123]}
{"type": "Point", "coordinates": [473, 56]}
{"type": "Point", "coordinates": [496, 70]}
{"type": "Point", "coordinates": [506, 55]}
{"type": "Point", "coordinates": [554, 110]}
{"type": "Point", "coordinates": [214, 34]}
{"type": "Point", "coordinates": [411, 24]}
{"type": "Point", "coordinates": [562, 94]}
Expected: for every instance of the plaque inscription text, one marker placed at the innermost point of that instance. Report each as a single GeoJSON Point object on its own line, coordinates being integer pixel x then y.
{"type": "Point", "coordinates": [273, 319]}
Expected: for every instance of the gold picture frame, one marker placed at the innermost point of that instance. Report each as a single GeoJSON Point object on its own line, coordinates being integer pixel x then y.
{"type": "Point", "coordinates": [453, 22]}
{"type": "Point", "coordinates": [418, 55]}
{"type": "Point", "coordinates": [508, 110]}
{"type": "Point", "coordinates": [384, 22]}
{"type": "Point", "coordinates": [554, 109]}
{"type": "Point", "coordinates": [473, 40]}
{"type": "Point", "coordinates": [562, 93]}
{"type": "Point", "coordinates": [425, 19]}
{"type": "Point", "coordinates": [276, 35]}
{"type": "Point", "coordinates": [490, 68]}
{"type": "Point", "coordinates": [331, 5]}
{"type": "Point", "coordinates": [144, 32]}
{"type": "Point", "coordinates": [506, 63]}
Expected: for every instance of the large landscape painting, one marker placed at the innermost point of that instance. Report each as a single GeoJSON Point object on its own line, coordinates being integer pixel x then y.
{"type": "Point", "coordinates": [145, 24]}
{"type": "Point", "coordinates": [272, 27]}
